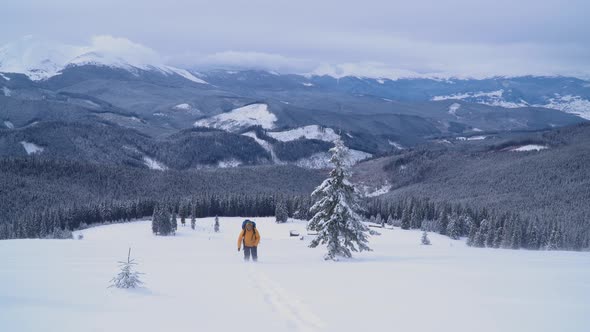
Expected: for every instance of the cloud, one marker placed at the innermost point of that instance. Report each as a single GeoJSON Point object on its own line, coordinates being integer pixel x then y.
{"type": "Point", "coordinates": [391, 57]}
{"type": "Point", "coordinates": [124, 49]}
{"type": "Point", "coordinates": [373, 37]}
{"type": "Point", "coordinates": [244, 60]}
{"type": "Point", "coordinates": [363, 69]}
{"type": "Point", "coordinates": [377, 55]}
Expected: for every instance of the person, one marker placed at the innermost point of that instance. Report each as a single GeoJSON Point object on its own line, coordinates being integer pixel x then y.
{"type": "Point", "coordinates": [250, 237]}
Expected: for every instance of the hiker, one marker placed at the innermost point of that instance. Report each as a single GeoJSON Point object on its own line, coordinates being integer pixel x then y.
{"type": "Point", "coordinates": [250, 237]}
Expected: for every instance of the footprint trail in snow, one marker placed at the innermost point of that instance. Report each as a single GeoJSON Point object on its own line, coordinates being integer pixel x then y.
{"type": "Point", "coordinates": [296, 314]}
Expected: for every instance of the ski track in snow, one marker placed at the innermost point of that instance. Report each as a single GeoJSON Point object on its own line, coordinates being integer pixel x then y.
{"type": "Point", "coordinates": [296, 314]}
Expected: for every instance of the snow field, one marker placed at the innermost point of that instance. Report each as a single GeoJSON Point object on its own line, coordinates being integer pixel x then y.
{"type": "Point", "coordinates": [529, 147]}
{"type": "Point", "coordinates": [31, 148]}
{"type": "Point", "coordinates": [246, 116]}
{"type": "Point", "coordinates": [309, 132]}
{"type": "Point", "coordinates": [197, 280]}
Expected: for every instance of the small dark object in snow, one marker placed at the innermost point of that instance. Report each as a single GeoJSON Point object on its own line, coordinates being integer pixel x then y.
{"type": "Point", "coordinates": [293, 233]}
{"type": "Point", "coordinates": [302, 238]}
{"type": "Point", "coordinates": [80, 236]}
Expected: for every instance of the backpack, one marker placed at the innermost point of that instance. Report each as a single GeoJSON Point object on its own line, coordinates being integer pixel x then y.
{"type": "Point", "coordinates": [247, 221]}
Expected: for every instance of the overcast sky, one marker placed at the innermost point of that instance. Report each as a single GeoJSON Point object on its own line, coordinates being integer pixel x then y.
{"type": "Point", "coordinates": [372, 38]}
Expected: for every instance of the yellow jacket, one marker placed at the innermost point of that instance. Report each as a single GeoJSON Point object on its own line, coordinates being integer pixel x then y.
{"type": "Point", "coordinates": [250, 238]}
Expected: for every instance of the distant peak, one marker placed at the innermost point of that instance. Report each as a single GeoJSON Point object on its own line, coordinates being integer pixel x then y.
{"type": "Point", "coordinates": [41, 59]}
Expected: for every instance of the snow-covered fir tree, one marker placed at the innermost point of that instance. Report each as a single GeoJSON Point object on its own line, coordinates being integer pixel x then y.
{"type": "Point", "coordinates": [216, 225]}
{"type": "Point", "coordinates": [173, 224]}
{"type": "Point", "coordinates": [405, 224]}
{"type": "Point", "coordinates": [425, 240]}
{"type": "Point", "coordinates": [472, 232]}
{"type": "Point", "coordinates": [379, 220]}
{"type": "Point", "coordinates": [336, 217]}
{"type": "Point", "coordinates": [454, 227]}
{"type": "Point", "coordinates": [498, 234]}
{"type": "Point", "coordinates": [443, 222]}
{"type": "Point", "coordinates": [479, 240]}
{"type": "Point", "coordinates": [156, 220]}
{"type": "Point", "coordinates": [193, 221]}
{"type": "Point", "coordinates": [390, 220]}
{"type": "Point", "coordinates": [554, 239]}
{"type": "Point", "coordinates": [281, 213]}
{"type": "Point", "coordinates": [127, 277]}
{"type": "Point", "coordinates": [491, 235]}
{"type": "Point", "coordinates": [161, 221]}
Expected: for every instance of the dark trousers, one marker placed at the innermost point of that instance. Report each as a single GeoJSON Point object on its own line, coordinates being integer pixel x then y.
{"type": "Point", "coordinates": [250, 251]}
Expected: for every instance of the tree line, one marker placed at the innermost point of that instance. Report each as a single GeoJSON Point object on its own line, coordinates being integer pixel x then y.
{"type": "Point", "coordinates": [60, 221]}
{"type": "Point", "coordinates": [482, 227]}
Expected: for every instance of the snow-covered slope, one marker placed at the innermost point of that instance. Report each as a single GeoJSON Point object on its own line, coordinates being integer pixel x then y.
{"type": "Point", "coordinates": [154, 164]}
{"type": "Point", "coordinates": [322, 160]}
{"type": "Point", "coordinates": [40, 59]}
{"type": "Point", "coordinates": [183, 106]}
{"type": "Point", "coordinates": [529, 147]}
{"type": "Point", "coordinates": [239, 118]}
{"type": "Point", "coordinates": [264, 144]}
{"type": "Point", "coordinates": [308, 132]}
{"type": "Point", "coordinates": [31, 148]}
{"type": "Point", "coordinates": [568, 103]}
{"type": "Point", "coordinates": [197, 281]}
{"type": "Point", "coordinates": [454, 108]}
{"type": "Point", "coordinates": [492, 98]}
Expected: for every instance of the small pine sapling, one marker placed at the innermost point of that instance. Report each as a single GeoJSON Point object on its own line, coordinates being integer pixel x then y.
{"type": "Point", "coordinates": [425, 239]}
{"type": "Point", "coordinates": [127, 277]}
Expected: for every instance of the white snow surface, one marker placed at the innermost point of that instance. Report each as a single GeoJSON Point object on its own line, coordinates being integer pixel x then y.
{"type": "Point", "coordinates": [380, 191]}
{"type": "Point", "coordinates": [9, 124]}
{"type": "Point", "coordinates": [454, 108]}
{"type": "Point", "coordinates": [41, 59]}
{"type": "Point", "coordinates": [321, 160]}
{"type": "Point", "coordinates": [395, 145]}
{"type": "Point", "coordinates": [529, 147]}
{"type": "Point", "coordinates": [239, 118]}
{"type": "Point", "coordinates": [5, 77]}
{"type": "Point", "coordinates": [307, 84]}
{"type": "Point", "coordinates": [6, 91]}
{"type": "Point", "coordinates": [570, 104]}
{"type": "Point", "coordinates": [308, 132]}
{"type": "Point", "coordinates": [154, 164]}
{"type": "Point", "coordinates": [476, 138]}
{"type": "Point", "coordinates": [229, 163]}
{"type": "Point", "coordinates": [197, 280]}
{"type": "Point", "coordinates": [31, 148]}
{"type": "Point", "coordinates": [183, 106]}
{"type": "Point", "coordinates": [265, 145]}
{"type": "Point", "coordinates": [492, 98]}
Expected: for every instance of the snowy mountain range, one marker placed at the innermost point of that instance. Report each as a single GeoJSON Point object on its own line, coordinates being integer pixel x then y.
{"type": "Point", "coordinates": [40, 60]}
{"type": "Point", "coordinates": [49, 90]}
